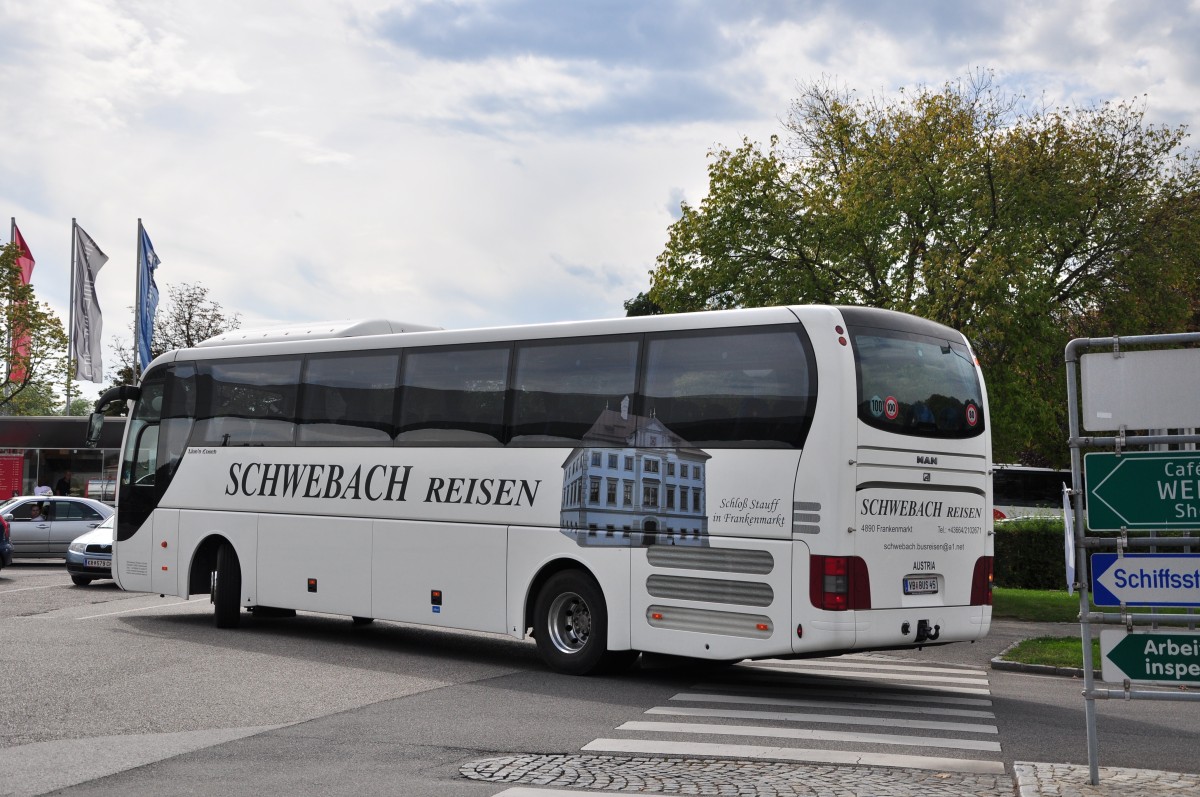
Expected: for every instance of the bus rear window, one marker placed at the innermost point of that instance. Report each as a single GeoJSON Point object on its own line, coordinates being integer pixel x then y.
{"type": "Point", "coordinates": [916, 384]}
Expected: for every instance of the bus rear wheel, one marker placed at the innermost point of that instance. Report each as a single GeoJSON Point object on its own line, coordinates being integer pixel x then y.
{"type": "Point", "coordinates": [570, 626]}
{"type": "Point", "coordinates": [227, 588]}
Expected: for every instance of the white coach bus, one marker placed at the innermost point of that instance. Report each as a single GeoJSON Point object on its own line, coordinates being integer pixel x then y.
{"type": "Point", "coordinates": [773, 482]}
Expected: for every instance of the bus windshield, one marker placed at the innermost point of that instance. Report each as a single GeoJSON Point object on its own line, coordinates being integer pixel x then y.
{"type": "Point", "coordinates": [916, 384]}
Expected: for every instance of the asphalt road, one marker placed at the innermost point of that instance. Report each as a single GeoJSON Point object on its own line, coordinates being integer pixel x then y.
{"type": "Point", "coordinates": [108, 692]}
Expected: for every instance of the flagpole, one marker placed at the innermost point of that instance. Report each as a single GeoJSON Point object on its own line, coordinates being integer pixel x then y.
{"type": "Point", "coordinates": [8, 343]}
{"type": "Point", "coordinates": [71, 315]}
{"type": "Point", "coordinates": [137, 305]}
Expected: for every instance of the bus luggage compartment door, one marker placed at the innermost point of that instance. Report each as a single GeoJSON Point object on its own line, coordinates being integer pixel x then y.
{"type": "Point", "coordinates": [920, 533]}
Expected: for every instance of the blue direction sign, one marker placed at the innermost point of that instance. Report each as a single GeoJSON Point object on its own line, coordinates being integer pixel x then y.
{"type": "Point", "coordinates": [1143, 490]}
{"type": "Point", "coordinates": [1146, 579]}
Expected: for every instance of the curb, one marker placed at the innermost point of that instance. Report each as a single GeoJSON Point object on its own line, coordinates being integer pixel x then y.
{"type": "Point", "coordinates": [998, 663]}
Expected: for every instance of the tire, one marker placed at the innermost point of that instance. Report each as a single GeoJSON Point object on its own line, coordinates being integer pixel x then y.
{"type": "Point", "coordinates": [80, 581]}
{"type": "Point", "coordinates": [227, 588]}
{"type": "Point", "coordinates": [362, 620]}
{"type": "Point", "coordinates": [570, 626]}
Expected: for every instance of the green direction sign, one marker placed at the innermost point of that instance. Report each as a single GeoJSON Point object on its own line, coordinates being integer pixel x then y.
{"type": "Point", "coordinates": [1143, 490]}
{"type": "Point", "coordinates": [1153, 656]}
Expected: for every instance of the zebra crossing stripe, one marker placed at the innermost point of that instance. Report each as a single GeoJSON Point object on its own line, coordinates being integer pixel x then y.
{"type": "Point", "coordinates": [829, 679]}
{"type": "Point", "coordinates": [913, 694]}
{"type": "Point", "coordinates": [845, 672]}
{"type": "Point", "coordinates": [809, 733]}
{"type": "Point", "coordinates": [867, 663]}
{"type": "Point", "coordinates": [848, 705]}
{"type": "Point", "coordinates": [824, 719]}
{"type": "Point", "coordinates": [759, 753]}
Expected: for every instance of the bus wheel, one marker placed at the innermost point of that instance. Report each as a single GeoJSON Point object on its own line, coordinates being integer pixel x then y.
{"type": "Point", "coordinates": [571, 625]}
{"type": "Point", "coordinates": [227, 588]}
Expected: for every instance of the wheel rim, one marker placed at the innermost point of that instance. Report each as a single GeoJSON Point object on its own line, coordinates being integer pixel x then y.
{"type": "Point", "coordinates": [570, 622]}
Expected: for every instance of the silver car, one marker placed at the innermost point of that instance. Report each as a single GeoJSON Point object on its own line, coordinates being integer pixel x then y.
{"type": "Point", "coordinates": [44, 525]}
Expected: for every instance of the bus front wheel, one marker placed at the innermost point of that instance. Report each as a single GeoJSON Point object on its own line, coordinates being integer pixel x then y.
{"type": "Point", "coordinates": [227, 588]}
{"type": "Point", "coordinates": [570, 625]}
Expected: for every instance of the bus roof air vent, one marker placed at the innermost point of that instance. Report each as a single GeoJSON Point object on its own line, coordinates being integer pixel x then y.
{"type": "Point", "coordinates": [315, 330]}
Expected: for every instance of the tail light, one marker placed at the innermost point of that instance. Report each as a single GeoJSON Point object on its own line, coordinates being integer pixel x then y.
{"type": "Point", "coordinates": [839, 583]}
{"type": "Point", "coordinates": [981, 582]}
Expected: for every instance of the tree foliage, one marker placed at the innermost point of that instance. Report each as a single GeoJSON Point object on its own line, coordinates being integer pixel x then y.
{"type": "Point", "coordinates": [1022, 227]}
{"type": "Point", "coordinates": [186, 318]}
{"type": "Point", "coordinates": [28, 375]}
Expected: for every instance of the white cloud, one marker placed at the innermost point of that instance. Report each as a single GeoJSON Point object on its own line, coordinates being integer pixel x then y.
{"type": "Point", "coordinates": [464, 164]}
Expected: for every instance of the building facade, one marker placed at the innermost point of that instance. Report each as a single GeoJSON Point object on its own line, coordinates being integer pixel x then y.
{"type": "Point", "coordinates": [47, 454]}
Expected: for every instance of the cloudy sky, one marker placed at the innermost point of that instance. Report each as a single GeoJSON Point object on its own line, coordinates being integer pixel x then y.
{"type": "Point", "coordinates": [470, 162]}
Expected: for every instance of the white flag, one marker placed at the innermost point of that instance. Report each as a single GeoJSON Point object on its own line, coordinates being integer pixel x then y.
{"type": "Point", "coordinates": [1069, 539]}
{"type": "Point", "coordinates": [87, 324]}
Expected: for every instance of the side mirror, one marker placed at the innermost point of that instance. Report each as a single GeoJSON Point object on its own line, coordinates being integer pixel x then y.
{"type": "Point", "coordinates": [96, 420]}
{"type": "Point", "coordinates": [95, 427]}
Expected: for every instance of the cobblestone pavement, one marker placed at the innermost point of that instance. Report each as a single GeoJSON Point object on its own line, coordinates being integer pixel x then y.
{"type": "Point", "coordinates": [1071, 780]}
{"type": "Point", "coordinates": [710, 776]}
{"type": "Point", "coordinates": [720, 777]}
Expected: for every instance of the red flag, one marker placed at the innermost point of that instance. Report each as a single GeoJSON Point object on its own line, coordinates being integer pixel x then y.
{"type": "Point", "coordinates": [24, 256]}
{"type": "Point", "coordinates": [20, 339]}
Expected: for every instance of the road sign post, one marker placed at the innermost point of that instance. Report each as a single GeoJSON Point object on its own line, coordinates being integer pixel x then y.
{"type": "Point", "coordinates": [1153, 657]}
{"type": "Point", "coordinates": [1143, 490]}
{"type": "Point", "coordinates": [1142, 388]}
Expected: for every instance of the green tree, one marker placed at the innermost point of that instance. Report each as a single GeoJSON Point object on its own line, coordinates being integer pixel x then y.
{"type": "Point", "coordinates": [641, 304]}
{"type": "Point", "coordinates": [28, 375]}
{"type": "Point", "coordinates": [1021, 227]}
{"type": "Point", "coordinates": [187, 317]}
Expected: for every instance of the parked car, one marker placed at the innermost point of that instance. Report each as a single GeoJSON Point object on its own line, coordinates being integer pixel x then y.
{"type": "Point", "coordinates": [6, 548]}
{"type": "Point", "coordinates": [43, 526]}
{"type": "Point", "coordinates": [89, 557]}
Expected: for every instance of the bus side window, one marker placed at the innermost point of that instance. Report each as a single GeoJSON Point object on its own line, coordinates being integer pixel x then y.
{"type": "Point", "coordinates": [453, 396]}
{"type": "Point", "coordinates": [249, 402]}
{"type": "Point", "coordinates": [562, 388]}
{"type": "Point", "coordinates": [752, 387]}
{"type": "Point", "coordinates": [180, 409]}
{"type": "Point", "coordinates": [348, 399]}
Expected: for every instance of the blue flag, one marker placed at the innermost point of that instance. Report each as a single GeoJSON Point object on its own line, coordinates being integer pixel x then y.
{"type": "Point", "coordinates": [147, 296]}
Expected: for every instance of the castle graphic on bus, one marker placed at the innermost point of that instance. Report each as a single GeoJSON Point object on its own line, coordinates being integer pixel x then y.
{"type": "Point", "coordinates": [631, 481]}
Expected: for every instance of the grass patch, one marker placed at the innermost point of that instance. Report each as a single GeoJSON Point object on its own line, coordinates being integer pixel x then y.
{"type": "Point", "coordinates": [1035, 605]}
{"type": "Point", "coordinates": [1053, 652]}
{"type": "Point", "coordinates": [1051, 606]}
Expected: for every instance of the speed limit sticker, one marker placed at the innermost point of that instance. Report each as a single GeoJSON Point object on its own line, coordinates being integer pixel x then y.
{"type": "Point", "coordinates": [972, 415]}
{"type": "Point", "coordinates": [891, 408]}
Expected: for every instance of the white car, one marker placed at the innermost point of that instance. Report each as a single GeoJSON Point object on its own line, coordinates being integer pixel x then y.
{"type": "Point", "coordinates": [43, 526]}
{"type": "Point", "coordinates": [89, 557]}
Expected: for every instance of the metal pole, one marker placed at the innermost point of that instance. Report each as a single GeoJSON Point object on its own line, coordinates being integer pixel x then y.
{"type": "Point", "coordinates": [1081, 572]}
{"type": "Point", "coordinates": [137, 305]}
{"type": "Point", "coordinates": [12, 238]}
{"type": "Point", "coordinates": [71, 317]}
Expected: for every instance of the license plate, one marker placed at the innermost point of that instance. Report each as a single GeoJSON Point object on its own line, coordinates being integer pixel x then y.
{"type": "Point", "coordinates": [920, 586]}
{"type": "Point", "coordinates": [107, 563]}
